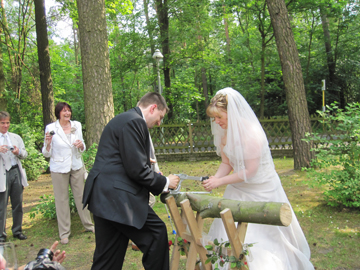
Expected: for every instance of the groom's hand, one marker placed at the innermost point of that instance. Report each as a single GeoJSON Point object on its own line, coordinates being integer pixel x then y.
{"type": "Point", "coordinates": [173, 181]}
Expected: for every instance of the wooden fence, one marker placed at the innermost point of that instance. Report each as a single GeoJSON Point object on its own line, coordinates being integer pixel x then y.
{"type": "Point", "coordinates": [195, 141]}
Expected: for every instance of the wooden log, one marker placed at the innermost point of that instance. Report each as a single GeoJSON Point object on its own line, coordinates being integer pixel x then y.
{"type": "Point", "coordinates": [271, 213]}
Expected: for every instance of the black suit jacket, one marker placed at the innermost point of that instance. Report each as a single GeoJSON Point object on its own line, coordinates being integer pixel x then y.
{"type": "Point", "coordinates": [118, 185]}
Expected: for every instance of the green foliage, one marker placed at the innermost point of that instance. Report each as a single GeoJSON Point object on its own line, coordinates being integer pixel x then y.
{"type": "Point", "coordinates": [338, 166]}
{"type": "Point", "coordinates": [183, 244]}
{"type": "Point", "coordinates": [35, 163]}
{"type": "Point", "coordinates": [47, 209]}
{"type": "Point", "coordinates": [89, 156]}
{"type": "Point", "coordinates": [217, 256]}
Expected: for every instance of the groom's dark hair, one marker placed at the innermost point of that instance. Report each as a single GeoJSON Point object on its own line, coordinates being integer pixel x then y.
{"type": "Point", "coordinates": [153, 98]}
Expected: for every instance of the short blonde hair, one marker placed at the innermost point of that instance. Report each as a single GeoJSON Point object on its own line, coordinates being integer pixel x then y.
{"type": "Point", "coordinates": [217, 104]}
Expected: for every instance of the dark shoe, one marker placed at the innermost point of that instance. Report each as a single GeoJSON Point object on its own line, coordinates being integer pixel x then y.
{"type": "Point", "coordinates": [135, 247]}
{"type": "Point", "coordinates": [20, 236]}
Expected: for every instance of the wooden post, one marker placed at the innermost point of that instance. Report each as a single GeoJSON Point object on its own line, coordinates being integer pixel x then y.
{"type": "Point", "coordinates": [273, 213]}
{"type": "Point", "coordinates": [175, 257]}
{"type": "Point", "coordinates": [236, 236]}
{"type": "Point", "coordinates": [196, 232]}
{"type": "Point", "coordinates": [190, 249]}
{"type": "Point", "coordinates": [191, 139]}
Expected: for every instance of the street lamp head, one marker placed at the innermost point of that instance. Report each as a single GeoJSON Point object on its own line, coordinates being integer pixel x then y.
{"type": "Point", "coordinates": [157, 55]}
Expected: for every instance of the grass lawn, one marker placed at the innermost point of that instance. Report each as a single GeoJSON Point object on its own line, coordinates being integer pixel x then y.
{"type": "Point", "coordinates": [332, 233]}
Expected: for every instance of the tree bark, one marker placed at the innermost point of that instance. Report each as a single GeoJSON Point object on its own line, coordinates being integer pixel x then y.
{"type": "Point", "coordinates": [150, 28]}
{"type": "Point", "coordinates": [272, 213]}
{"type": "Point", "coordinates": [98, 96]}
{"type": "Point", "coordinates": [228, 50]}
{"type": "Point", "coordinates": [294, 83]}
{"type": "Point", "coordinates": [47, 94]}
{"type": "Point", "coordinates": [331, 63]}
{"type": "Point", "coordinates": [3, 103]}
{"type": "Point", "coordinates": [205, 87]}
{"type": "Point", "coordinates": [265, 30]}
{"type": "Point", "coordinates": [163, 18]}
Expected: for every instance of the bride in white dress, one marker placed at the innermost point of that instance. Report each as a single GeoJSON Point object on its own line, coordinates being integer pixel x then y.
{"type": "Point", "coordinates": [242, 144]}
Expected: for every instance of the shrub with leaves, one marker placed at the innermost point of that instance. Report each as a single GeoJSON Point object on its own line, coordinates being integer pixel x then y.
{"type": "Point", "coordinates": [217, 257]}
{"type": "Point", "coordinates": [35, 163]}
{"type": "Point", "coordinates": [337, 166]}
{"type": "Point", "coordinates": [47, 208]}
{"type": "Point", "coordinates": [89, 156]}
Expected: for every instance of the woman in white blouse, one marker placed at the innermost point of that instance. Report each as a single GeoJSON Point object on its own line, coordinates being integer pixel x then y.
{"type": "Point", "coordinates": [64, 145]}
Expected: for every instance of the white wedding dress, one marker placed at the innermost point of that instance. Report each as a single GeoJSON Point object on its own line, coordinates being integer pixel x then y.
{"type": "Point", "coordinates": [275, 247]}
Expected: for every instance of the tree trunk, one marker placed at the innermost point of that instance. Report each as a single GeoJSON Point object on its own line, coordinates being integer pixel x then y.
{"type": "Point", "coordinates": [3, 103]}
{"type": "Point", "coordinates": [47, 94]}
{"type": "Point", "coordinates": [333, 93]}
{"type": "Point", "coordinates": [17, 48]}
{"type": "Point", "coordinates": [272, 213]}
{"type": "Point", "coordinates": [226, 25]}
{"type": "Point", "coordinates": [294, 83]}
{"type": "Point", "coordinates": [150, 28]}
{"type": "Point", "coordinates": [76, 43]}
{"type": "Point", "coordinates": [262, 91]}
{"type": "Point", "coordinates": [98, 97]}
{"type": "Point", "coordinates": [163, 18]}
{"type": "Point", "coordinates": [204, 87]}
{"type": "Point", "coordinates": [309, 50]}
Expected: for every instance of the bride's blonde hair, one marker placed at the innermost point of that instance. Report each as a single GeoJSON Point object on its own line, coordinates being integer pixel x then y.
{"type": "Point", "coordinates": [217, 104]}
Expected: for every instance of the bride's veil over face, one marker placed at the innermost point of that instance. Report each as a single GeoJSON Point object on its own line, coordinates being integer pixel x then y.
{"type": "Point", "coordinates": [246, 142]}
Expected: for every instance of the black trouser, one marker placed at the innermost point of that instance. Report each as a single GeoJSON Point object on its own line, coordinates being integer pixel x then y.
{"type": "Point", "coordinates": [112, 240]}
{"type": "Point", "coordinates": [14, 190]}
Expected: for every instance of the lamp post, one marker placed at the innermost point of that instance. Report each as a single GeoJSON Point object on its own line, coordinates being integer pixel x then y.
{"type": "Point", "coordinates": [157, 56]}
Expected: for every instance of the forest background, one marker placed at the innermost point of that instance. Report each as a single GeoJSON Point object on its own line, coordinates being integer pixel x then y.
{"type": "Point", "coordinates": [207, 45]}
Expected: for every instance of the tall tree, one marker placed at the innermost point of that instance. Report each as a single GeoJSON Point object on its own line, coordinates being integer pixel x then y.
{"type": "Point", "coordinates": [15, 40]}
{"type": "Point", "coordinates": [98, 96]}
{"type": "Point", "coordinates": [331, 64]}
{"type": "Point", "coordinates": [294, 82]}
{"type": "Point", "coordinates": [163, 18]}
{"type": "Point", "coordinates": [47, 94]}
{"type": "Point", "coordinates": [150, 29]}
{"type": "Point", "coordinates": [3, 104]}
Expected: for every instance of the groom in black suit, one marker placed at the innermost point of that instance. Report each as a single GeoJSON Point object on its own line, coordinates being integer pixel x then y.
{"type": "Point", "coordinates": [117, 189]}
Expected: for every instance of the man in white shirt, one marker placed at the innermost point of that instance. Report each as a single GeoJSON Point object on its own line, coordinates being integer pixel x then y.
{"type": "Point", "coordinates": [12, 177]}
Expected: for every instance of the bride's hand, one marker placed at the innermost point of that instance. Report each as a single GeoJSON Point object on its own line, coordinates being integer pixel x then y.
{"type": "Point", "coordinates": [211, 183]}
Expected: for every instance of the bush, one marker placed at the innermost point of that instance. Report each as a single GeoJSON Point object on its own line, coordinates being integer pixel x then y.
{"type": "Point", "coordinates": [35, 163]}
{"type": "Point", "coordinates": [338, 165]}
{"type": "Point", "coordinates": [47, 208]}
{"type": "Point", "coordinates": [89, 156]}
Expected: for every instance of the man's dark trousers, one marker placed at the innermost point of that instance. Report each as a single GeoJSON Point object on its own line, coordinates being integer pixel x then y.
{"type": "Point", "coordinates": [14, 190]}
{"type": "Point", "coordinates": [112, 241]}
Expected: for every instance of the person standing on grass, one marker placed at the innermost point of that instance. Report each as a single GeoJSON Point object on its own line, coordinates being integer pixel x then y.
{"type": "Point", "coordinates": [117, 189]}
{"type": "Point", "coordinates": [64, 145]}
{"type": "Point", "coordinates": [12, 177]}
{"type": "Point", "coordinates": [244, 149]}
